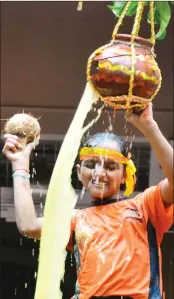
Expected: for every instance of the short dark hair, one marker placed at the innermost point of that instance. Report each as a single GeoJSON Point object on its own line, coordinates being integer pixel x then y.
{"type": "Point", "coordinates": [97, 140]}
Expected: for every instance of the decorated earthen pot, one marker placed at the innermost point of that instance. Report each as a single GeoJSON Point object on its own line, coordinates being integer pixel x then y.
{"type": "Point", "coordinates": [111, 69]}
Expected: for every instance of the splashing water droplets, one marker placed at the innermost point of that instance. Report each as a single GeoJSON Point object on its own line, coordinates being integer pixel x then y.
{"type": "Point", "coordinates": [110, 128]}
{"type": "Point", "coordinates": [33, 172]}
{"type": "Point", "coordinates": [97, 179]}
{"type": "Point", "coordinates": [94, 174]}
{"type": "Point", "coordinates": [125, 128]}
{"type": "Point", "coordinates": [87, 135]}
{"type": "Point", "coordinates": [132, 139]}
{"type": "Point", "coordinates": [82, 192]}
{"type": "Point", "coordinates": [41, 205]}
{"type": "Point", "coordinates": [128, 258]}
{"type": "Point", "coordinates": [114, 114]}
{"type": "Point", "coordinates": [126, 131]}
{"type": "Point", "coordinates": [102, 191]}
{"type": "Point", "coordinates": [41, 191]}
{"type": "Point", "coordinates": [94, 120]}
{"type": "Point", "coordinates": [102, 162]}
{"type": "Point", "coordinates": [118, 196]}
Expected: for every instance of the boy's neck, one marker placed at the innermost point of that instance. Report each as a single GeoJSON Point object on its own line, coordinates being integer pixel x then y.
{"type": "Point", "coordinates": [106, 201]}
{"type": "Point", "coordinates": [103, 201]}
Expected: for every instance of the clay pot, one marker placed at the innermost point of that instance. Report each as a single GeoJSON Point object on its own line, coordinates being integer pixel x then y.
{"type": "Point", "coordinates": [111, 69]}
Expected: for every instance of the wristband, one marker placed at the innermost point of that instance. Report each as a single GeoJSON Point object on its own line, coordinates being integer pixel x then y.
{"type": "Point", "coordinates": [21, 169]}
{"type": "Point", "coordinates": [21, 176]}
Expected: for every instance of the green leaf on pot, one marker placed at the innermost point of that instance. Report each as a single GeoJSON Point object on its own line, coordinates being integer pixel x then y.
{"type": "Point", "coordinates": [132, 9]}
{"type": "Point", "coordinates": [156, 17]}
{"type": "Point", "coordinates": [163, 35]}
{"type": "Point", "coordinates": [164, 13]}
{"type": "Point", "coordinates": [117, 7]}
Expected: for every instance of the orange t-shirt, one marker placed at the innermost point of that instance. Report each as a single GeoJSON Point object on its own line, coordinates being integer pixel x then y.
{"type": "Point", "coordinates": [117, 247]}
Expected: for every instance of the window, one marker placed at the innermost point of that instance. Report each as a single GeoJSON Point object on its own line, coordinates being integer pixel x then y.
{"type": "Point", "coordinates": [141, 158]}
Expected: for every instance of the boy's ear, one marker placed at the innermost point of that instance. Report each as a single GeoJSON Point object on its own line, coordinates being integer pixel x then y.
{"type": "Point", "coordinates": [79, 172]}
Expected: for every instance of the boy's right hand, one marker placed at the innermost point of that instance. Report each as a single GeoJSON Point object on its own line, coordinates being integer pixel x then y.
{"type": "Point", "coordinates": [16, 154]}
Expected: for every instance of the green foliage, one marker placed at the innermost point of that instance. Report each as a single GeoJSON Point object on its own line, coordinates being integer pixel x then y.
{"type": "Point", "coordinates": [162, 13]}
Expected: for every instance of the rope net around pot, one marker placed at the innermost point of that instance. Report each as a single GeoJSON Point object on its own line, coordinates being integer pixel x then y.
{"type": "Point", "coordinates": [124, 72]}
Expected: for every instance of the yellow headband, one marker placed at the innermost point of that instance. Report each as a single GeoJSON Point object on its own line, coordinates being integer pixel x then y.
{"type": "Point", "coordinates": [88, 152]}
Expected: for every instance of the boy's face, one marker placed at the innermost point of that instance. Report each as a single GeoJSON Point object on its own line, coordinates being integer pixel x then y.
{"type": "Point", "coordinates": [102, 176]}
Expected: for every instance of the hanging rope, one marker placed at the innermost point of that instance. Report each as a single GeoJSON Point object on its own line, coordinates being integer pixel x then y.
{"type": "Point", "coordinates": [135, 31]}
{"type": "Point", "coordinates": [153, 42]}
{"type": "Point", "coordinates": [120, 20]}
{"type": "Point", "coordinates": [80, 6]}
{"type": "Point", "coordinates": [118, 102]}
{"type": "Point", "coordinates": [152, 23]}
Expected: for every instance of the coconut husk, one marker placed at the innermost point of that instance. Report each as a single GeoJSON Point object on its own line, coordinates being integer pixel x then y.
{"type": "Point", "coordinates": [23, 125]}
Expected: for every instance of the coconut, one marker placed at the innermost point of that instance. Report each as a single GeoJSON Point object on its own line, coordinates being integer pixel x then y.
{"type": "Point", "coordinates": [23, 125]}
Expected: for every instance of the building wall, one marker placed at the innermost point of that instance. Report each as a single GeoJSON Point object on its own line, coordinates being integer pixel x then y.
{"type": "Point", "coordinates": [156, 174]}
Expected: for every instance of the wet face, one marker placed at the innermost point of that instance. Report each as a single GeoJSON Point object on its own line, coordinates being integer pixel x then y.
{"type": "Point", "coordinates": [102, 176]}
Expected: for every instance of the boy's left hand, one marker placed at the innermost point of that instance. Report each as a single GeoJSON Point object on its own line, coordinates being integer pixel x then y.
{"type": "Point", "coordinates": [142, 121]}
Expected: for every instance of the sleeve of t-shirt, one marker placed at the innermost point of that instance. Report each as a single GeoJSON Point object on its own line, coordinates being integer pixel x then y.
{"type": "Point", "coordinates": [160, 216]}
{"type": "Point", "coordinates": [70, 245]}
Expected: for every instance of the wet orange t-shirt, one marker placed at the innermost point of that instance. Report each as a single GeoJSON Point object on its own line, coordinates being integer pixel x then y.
{"type": "Point", "coordinates": [117, 247]}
